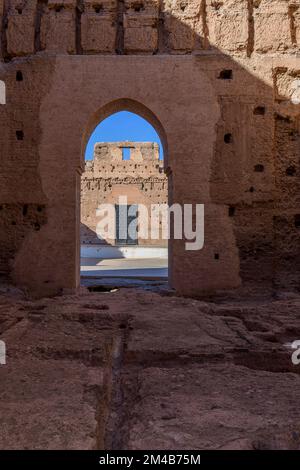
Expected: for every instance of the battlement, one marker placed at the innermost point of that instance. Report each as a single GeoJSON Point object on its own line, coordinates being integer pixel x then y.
{"type": "Point", "coordinates": [126, 158]}
{"type": "Point", "coordinates": [106, 27]}
{"type": "Point", "coordinates": [126, 151]}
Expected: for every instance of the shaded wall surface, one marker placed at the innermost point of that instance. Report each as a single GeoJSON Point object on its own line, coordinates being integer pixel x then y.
{"type": "Point", "coordinates": [219, 81]}
{"type": "Point", "coordinates": [110, 179]}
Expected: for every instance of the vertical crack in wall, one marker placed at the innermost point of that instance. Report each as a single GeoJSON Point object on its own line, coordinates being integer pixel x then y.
{"type": "Point", "coordinates": [79, 11]}
{"type": "Point", "coordinates": [251, 29]}
{"type": "Point", "coordinates": [120, 27]}
{"type": "Point", "coordinates": [4, 51]}
{"type": "Point", "coordinates": [203, 15]}
{"type": "Point", "coordinates": [40, 8]}
{"type": "Point", "coordinates": [291, 12]}
{"type": "Point", "coordinates": [160, 27]}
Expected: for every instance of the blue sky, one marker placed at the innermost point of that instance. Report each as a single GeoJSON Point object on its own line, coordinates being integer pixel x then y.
{"type": "Point", "coordinates": [122, 126]}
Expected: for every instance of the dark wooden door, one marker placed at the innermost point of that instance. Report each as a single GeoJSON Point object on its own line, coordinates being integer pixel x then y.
{"type": "Point", "coordinates": [126, 223]}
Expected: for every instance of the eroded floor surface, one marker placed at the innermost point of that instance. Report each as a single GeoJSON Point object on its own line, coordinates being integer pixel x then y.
{"type": "Point", "coordinates": [137, 369]}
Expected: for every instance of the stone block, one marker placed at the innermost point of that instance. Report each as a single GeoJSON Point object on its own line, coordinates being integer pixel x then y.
{"type": "Point", "coordinates": [272, 26]}
{"type": "Point", "coordinates": [182, 21]}
{"type": "Point", "coordinates": [21, 28]}
{"type": "Point", "coordinates": [99, 26]}
{"type": "Point", "coordinates": [140, 26]}
{"type": "Point", "coordinates": [228, 24]}
{"type": "Point", "coordinates": [58, 31]}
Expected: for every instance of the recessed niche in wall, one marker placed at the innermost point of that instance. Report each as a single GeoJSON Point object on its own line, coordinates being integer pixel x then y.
{"type": "Point", "coordinates": [231, 211]}
{"type": "Point", "coordinates": [228, 138]}
{"type": "Point", "coordinates": [19, 76]}
{"type": "Point", "coordinates": [290, 171]}
{"type": "Point", "coordinates": [297, 220]}
{"type": "Point", "coordinates": [98, 8]}
{"type": "Point", "coordinates": [25, 209]}
{"type": "Point", "coordinates": [19, 135]}
{"type": "Point", "coordinates": [259, 168]}
{"type": "Point", "coordinates": [226, 74]}
{"type": "Point", "coordinates": [259, 111]}
{"type": "Point", "coordinates": [138, 6]}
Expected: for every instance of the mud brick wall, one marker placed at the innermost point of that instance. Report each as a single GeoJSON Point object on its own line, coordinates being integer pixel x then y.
{"type": "Point", "coordinates": [107, 177]}
{"type": "Point", "coordinates": [220, 82]}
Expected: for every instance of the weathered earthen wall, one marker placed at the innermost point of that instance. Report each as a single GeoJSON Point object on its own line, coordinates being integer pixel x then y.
{"type": "Point", "coordinates": [108, 177]}
{"type": "Point", "coordinates": [220, 82]}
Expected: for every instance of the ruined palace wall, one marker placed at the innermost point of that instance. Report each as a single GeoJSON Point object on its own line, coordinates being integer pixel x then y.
{"type": "Point", "coordinates": [220, 82]}
{"type": "Point", "coordinates": [107, 177]}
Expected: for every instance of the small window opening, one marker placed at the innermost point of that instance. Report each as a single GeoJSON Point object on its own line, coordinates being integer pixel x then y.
{"type": "Point", "coordinates": [217, 256]}
{"type": "Point", "coordinates": [98, 8]}
{"type": "Point", "coordinates": [228, 138]}
{"type": "Point", "coordinates": [231, 211]}
{"type": "Point", "coordinates": [138, 7]}
{"type": "Point", "coordinates": [259, 111]}
{"type": "Point", "coordinates": [25, 209]}
{"type": "Point", "coordinates": [297, 220]}
{"type": "Point", "coordinates": [259, 168]}
{"type": "Point", "coordinates": [226, 74]}
{"type": "Point", "coordinates": [20, 135]}
{"type": "Point", "coordinates": [19, 76]}
{"type": "Point", "coordinates": [126, 153]}
{"type": "Point", "coordinates": [290, 171]}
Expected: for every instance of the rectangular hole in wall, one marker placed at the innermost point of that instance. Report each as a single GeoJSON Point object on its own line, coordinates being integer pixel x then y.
{"type": "Point", "coordinates": [19, 135]}
{"type": "Point", "coordinates": [126, 153]}
{"type": "Point", "coordinates": [226, 74]}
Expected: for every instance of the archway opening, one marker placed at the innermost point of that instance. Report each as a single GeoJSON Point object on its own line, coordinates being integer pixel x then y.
{"type": "Point", "coordinates": [124, 197]}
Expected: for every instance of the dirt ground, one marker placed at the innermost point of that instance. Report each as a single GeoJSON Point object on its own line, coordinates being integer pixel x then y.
{"type": "Point", "coordinates": [143, 369]}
